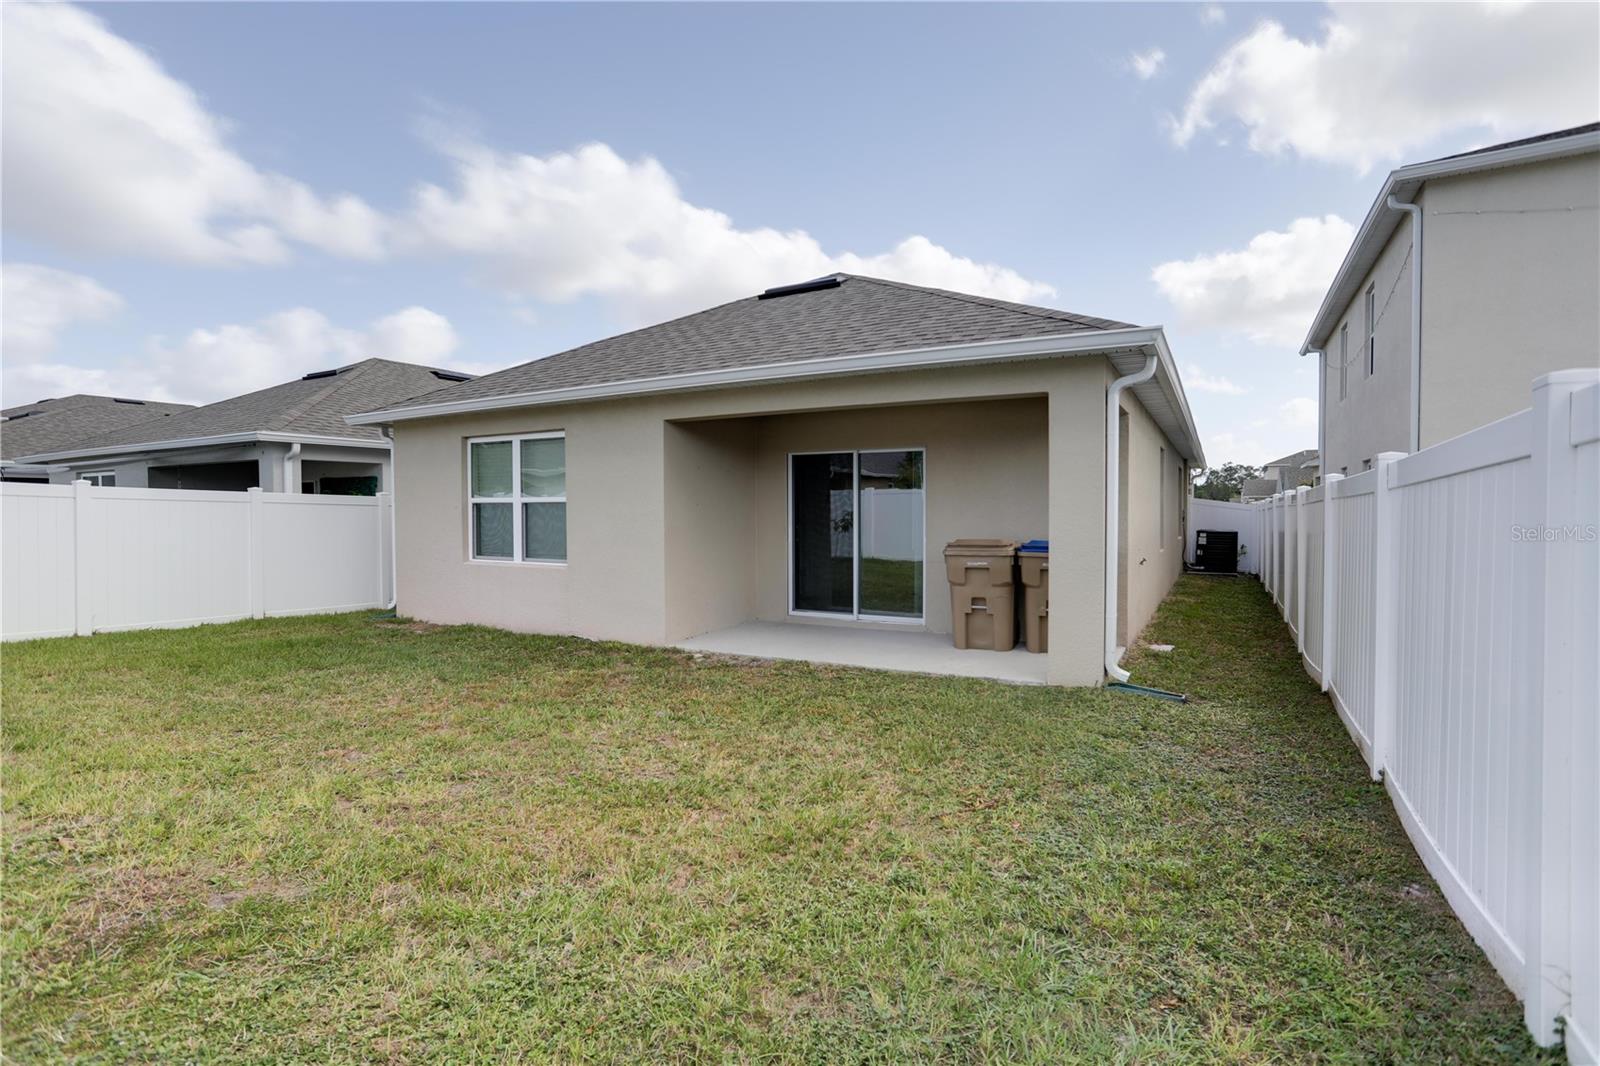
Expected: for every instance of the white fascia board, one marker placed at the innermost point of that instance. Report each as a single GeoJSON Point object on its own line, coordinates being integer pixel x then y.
{"type": "Point", "coordinates": [1082, 342]}
{"type": "Point", "coordinates": [203, 442]}
{"type": "Point", "coordinates": [1403, 184]}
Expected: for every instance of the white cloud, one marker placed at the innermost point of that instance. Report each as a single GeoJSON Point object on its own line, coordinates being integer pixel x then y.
{"type": "Point", "coordinates": [107, 152]}
{"type": "Point", "coordinates": [1147, 64]}
{"type": "Point", "coordinates": [415, 335]}
{"type": "Point", "coordinates": [1266, 291]}
{"type": "Point", "coordinates": [1384, 79]}
{"type": "Point", "coordinates": [227, 360]}
{"type": "Point", "coordinates": [1298, 413]}
{"type": "Point", "coordinates": [38, 302]}
{"type": "Point", "coordinates": [1197, 380]}
{"type": "Point", "coordinates": [1213, 14]}
{"type": "Point", "coordinates": [589, 222]}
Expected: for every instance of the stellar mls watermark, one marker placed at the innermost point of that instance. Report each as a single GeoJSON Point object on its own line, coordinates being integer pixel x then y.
{"type": "Point", "coordinates": [1578, 534]}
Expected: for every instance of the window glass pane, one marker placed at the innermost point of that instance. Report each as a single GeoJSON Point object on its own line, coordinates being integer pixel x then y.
{"type": "Point", "coordinates": [823, 505]}
{"type": "Point", "coordinates": [544, 531]}
{"type": "Point", "coordinates": [491, 469]}
{"type": "Point", "coordinates": [891, 533]}
{"type": "Point", "coordinates": [544, 467]}
{"type": "Point", "coordinates": [492, 535]}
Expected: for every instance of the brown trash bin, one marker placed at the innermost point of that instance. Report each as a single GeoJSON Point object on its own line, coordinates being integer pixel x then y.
{"type": "Point", "coordinates": [1034, 567]}
{"type": "Point", "coordinates": [982, 596]}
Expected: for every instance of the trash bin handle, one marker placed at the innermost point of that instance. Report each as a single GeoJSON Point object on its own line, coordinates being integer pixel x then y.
{"type": "Point", "coordinates": [978, 562]}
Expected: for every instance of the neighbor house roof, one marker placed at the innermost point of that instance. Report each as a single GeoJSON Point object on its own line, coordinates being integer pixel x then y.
{"type": "Point", "coordinates": [65, 421]}
{"type": "Point", "coordinates": [309, 408]}
{"type": "Point", "coordinates": [842, 323]}
{"type": "Point", "coordinates": [1403, 184]}
{"type": "Point", "coordinates": [1295, 460]}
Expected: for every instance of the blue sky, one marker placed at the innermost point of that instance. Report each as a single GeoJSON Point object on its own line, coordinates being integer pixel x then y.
{"type": "Point", "coordinates": [201, 199]}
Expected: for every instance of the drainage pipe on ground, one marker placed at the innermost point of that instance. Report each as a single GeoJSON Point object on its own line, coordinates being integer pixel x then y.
{"type": "Point", "coordinates": [1113, 654]}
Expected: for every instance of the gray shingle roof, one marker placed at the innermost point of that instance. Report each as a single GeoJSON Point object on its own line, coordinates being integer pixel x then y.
{"type": "Point", "coordinates": [861, 315]}
{"type": "Point", "coordinates": [311, 407]}
{"type": "Point", "coordinates": [67, 421]}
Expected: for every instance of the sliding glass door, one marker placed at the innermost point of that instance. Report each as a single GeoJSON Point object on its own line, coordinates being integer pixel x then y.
{"type": "Point", "coordinates": [856, 546]}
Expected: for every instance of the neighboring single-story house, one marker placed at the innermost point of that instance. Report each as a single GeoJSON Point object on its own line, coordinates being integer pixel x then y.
{"type": "Point", "coordinates": [1470, 276]}
{"type": "Point", "coordinates": [64, 422]}
{"type": "Point", "coordinates": [704, 476]}
{"type": "Point", "coordinates": [287, 438]}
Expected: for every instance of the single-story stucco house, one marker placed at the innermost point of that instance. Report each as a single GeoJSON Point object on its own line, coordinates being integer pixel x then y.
{"type": "Point", "coordinates": [290, 437]}
{"type": "Point", "coordinates": [783, 471]}
{"type": "Point", "coordinates": [59, 422]}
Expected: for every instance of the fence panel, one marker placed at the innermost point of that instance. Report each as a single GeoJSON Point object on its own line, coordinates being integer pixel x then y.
{"type": "Point", "coordinates": [1464, 766]}
{"type": "Point", "coordinates": [81, 559]}
{"type": "Point", "coordinates": [1354, 588]}
{"type": "Point", "coordinates": [1311, 628]}
{"type": "Point", "coordinates": [38, 534]}
{"type": "Point", "coordinates": [1450, 601]}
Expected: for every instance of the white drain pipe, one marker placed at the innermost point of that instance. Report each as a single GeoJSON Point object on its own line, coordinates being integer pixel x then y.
{"type": "Point", "coordinates": [1113, 654]}
{"type": "Point", "coordinates": [291, 482]}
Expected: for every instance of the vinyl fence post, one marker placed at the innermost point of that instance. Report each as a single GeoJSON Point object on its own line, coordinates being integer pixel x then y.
{"type": "Point", "coordinates": [1330, 578]}
{"type": "Point", "coordinates": [1556, 544]}
{"type": "Point", "coordinates": [258, 554]}
{"type": "Point", "coordinates": [82, 547]}
{"type": "Point", "coordinates": [1300, 567]}
{"type": "Point", "coordinates": [385, 546]}
{"type": "Point", "coordinates": [1385, 612]}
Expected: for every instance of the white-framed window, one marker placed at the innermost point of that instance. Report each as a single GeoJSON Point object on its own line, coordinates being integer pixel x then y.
{"type": "Point", "coordinates": [1372, 329]}
{"type": "Point", "coordinates": [106, 479]}
{"type": "Point", "coordinates": [517, 498]}
{"type": "Point", "coordinates": [1344, 360]}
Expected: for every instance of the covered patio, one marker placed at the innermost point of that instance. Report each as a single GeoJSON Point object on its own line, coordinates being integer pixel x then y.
{"type": "Point", "coordinates": [915, 651]}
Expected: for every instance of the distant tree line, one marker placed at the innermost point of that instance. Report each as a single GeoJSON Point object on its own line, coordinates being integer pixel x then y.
{"type": "Point", "coordinates": [1226, 481]}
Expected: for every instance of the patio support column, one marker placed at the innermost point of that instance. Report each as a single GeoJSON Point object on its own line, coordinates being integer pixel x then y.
{"type": "Point", "coordinates": [1077, 520]}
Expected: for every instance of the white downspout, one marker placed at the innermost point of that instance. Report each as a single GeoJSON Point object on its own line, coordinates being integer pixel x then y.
{"type": "Point", "coordinates": [291, 482]}
{"type": "Point", "coordinates": [394, 524]}
{"type": "Point", "coordinates": [1113, 654]}
{"type": "Point", "coordinates": [1322, 410]}
{"type": "Point", "coordinates": [1416, 319]}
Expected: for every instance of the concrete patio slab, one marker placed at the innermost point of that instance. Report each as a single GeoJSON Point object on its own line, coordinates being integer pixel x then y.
{"type": "Point", "coordinates": [911, 651]}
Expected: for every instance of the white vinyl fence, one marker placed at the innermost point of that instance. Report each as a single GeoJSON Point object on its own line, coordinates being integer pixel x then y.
{"type": "Point", "coordinates": [1449, 602]}
{"type": "Point", "coordinates": [1244, 519]}
{"type": "Point", "coordinates": [77, 559]}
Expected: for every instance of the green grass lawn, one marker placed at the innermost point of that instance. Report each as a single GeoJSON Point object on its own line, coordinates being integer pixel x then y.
{"type": "Point", "coordinates": [341, 839]}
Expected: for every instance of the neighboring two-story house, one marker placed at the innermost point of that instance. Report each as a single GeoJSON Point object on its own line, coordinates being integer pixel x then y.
{"type": "Point", "coordinates": [1470, 276]}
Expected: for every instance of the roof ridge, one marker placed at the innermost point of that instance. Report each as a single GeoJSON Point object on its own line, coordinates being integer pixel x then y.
{"type": "Point", "coordinates": [987, 301]}
{"type": "Point", "coordinates": [341, 377]}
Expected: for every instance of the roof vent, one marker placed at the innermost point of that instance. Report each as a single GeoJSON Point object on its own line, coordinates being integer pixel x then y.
{"type": "Point", "coordinates": [315, 374]}
{"type": "Point", "coordinates": [832, 281]}
{"type": "Point", "coordinates": [451, 375]}
{"type": "Point", "coordinates": [119, 399]}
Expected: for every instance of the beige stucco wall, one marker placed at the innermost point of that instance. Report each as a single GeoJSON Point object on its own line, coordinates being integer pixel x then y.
{"type": "Point", "coordinates": [1156, 487]}
{"type": "Point", "coordinates": [1511, 265]}
{"type": "Point", "coordinates": [1510, 277]}
{"type": "Point", "coordinates": [676, 523]}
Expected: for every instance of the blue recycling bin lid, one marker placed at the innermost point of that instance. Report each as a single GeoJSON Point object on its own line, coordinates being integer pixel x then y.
{"type": "Point", "coordinates": [1035, 547]}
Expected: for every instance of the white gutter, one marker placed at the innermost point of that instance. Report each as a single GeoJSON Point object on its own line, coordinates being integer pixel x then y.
{"type": "Point", "coordinates": [202, 442]}
{"type": "Point", "coordinates": [1415, 415]}
{"type": "Point", "coordinates": [1113, 654]}
{"type": "Point", "coordinates": [289, 477]}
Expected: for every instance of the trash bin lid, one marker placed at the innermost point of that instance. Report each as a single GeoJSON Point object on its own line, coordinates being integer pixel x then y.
{"type": "Point", "coordinates": [1035, 547]}
{"type": "Point", "coordinates": [980, 546]}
